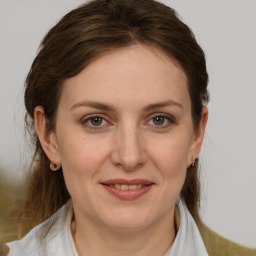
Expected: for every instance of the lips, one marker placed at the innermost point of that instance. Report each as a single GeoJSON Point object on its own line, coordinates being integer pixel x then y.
{"type": "Point", "coordinates": [128, 189]}
{"type": "Point", "coordinates": [126, 186]}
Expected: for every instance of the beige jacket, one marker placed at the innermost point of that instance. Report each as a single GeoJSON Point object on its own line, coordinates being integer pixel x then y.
{"type": "Point", "coordinates": [217, 245]}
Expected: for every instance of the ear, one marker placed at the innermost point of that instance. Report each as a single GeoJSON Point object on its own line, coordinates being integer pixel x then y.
{"type": "Point", "coordinates": [47, 138]}
{"type": "Point", "coordinates": [198, 137]}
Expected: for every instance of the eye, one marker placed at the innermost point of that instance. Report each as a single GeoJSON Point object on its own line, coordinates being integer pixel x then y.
{"type": "Point", "coordinates": [94, 122]}
{"type": "Point", "coordinates": [158, 120]}
{"type": "Point", "coordinates": [161, 120]}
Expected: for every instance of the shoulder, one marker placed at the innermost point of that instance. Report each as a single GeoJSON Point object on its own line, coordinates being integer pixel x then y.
{"type": "Point", "coordinates": [3, 249]}
{"type": "Point", "coordinates": [218, 245]}
{"type": "Point", "coordinates": [48, 238]}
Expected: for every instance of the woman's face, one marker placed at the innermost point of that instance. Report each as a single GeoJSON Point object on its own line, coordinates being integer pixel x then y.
{"type": "Point", "coordinates": [124, 137]}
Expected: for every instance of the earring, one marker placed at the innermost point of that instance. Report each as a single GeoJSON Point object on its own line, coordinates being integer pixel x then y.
{"type": "Point", "coordinates": [193, 162]}
{"type": "Point", "coordinates": [54, 167]}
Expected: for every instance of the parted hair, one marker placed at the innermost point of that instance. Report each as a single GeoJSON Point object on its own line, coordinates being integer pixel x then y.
{"type": "Point", "coordinates": [82, 35]}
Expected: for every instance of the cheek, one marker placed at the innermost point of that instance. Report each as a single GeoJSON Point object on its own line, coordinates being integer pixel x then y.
{"type": "Point", "coordinates": [170, 155]}
{"type": "Point", "coordinates": [81, 162]}
{"type": "Point", "coordinates": [82, 156]}
{"type": "Point", "coordinates": [170, 159]}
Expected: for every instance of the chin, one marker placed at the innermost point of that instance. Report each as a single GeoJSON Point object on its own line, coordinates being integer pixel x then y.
{"type": "Point", "coordinates": [125, 220]}
{"type": "Point", "coordinates": [128, 225]}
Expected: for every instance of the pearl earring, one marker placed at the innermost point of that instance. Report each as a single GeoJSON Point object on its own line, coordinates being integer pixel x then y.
{"type": "Point", "coordinates": [193, 162]}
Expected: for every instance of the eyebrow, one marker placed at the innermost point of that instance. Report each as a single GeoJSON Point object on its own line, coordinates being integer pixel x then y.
{"type": "Point", "coordinates": [163, 104]}
{"type": "Point", "coordinates": [107, 107]}
{"type": "Point", "coordinates": [93, 104]}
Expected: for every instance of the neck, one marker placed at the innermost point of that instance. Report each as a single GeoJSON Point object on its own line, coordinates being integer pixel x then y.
{"type": "Point", "coordinates": [95, 239]}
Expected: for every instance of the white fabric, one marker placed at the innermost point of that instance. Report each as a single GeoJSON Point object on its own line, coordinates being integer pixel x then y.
{"type": "Point", "coordinates": [188, 241]}
{"type": "Point", "coordinates": [53, 237]}
{"type": "Point", "coordinates": [42, 242]}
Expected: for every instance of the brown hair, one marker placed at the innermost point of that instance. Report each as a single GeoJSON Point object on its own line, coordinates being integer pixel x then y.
{"type": "Point", "coordinates": [78, 38]}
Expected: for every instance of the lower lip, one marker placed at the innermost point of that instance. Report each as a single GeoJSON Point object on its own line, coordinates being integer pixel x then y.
{"type": "Point", "coordinates": [128, 194]}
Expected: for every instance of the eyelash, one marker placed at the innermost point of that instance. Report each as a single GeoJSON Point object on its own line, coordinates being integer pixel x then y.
{"type": "Point", "coordinates": [87, 119]}
{"type": "Point", "coordinates": [170, 119]}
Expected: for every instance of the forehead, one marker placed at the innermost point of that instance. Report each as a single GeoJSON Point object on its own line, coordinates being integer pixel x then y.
{"type": "Point", "coordinates": [136, 74]}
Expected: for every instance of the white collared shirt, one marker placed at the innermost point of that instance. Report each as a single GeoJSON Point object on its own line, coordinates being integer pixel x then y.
{"type": "Point", "coordinates": [53, 237]}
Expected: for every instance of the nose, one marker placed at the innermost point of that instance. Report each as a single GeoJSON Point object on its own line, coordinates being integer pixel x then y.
{"type": "Point", "coordinates": [128, 150]}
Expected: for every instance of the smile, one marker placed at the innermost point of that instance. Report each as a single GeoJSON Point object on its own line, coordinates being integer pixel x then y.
{"type": "Point", "coordinates": [127, 189]}
{"type": "Point", "coordinates": [126, 186]}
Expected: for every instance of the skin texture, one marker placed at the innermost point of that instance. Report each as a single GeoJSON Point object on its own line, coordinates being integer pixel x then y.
{"type": "Point", "coordinates": [129, 142]}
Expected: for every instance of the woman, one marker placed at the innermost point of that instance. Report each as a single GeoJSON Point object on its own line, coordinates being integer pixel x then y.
{"type": "Point", "coordinates": [117, 95]}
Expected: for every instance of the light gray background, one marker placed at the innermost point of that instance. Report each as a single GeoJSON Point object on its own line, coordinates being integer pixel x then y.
{"type": "Point", "coordinates": [226, 30]}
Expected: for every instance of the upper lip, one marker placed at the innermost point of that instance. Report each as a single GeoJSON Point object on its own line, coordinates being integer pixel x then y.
{"type": "Point", "coordinates": [127, 182]}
